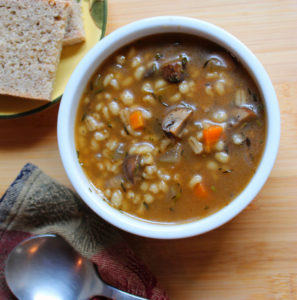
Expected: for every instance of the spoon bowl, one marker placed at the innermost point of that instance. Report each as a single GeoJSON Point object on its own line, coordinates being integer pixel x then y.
{"type": "Point", "coordinates": [45, 267]}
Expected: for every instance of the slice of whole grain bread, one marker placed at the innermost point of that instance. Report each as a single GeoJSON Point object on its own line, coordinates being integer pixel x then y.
{"type": "Point", "coordinates": [74, 30]}
{"type": "Point", "coordinates": [30, 46]}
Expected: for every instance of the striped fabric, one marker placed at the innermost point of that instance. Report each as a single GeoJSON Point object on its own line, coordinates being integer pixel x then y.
{"type": "Point", "coordinates": [36, 204]}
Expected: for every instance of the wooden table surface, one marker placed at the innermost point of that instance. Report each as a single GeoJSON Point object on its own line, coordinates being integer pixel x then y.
{"type": "Point", "coordinates": [255, 255]}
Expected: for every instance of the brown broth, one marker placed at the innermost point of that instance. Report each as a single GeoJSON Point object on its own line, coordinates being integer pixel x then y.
{"type": "Point", "coordinates": [216, 89]}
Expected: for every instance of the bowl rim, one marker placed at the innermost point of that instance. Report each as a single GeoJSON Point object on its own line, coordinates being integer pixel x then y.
{"type": "Point", "coordinates": [84, 71]}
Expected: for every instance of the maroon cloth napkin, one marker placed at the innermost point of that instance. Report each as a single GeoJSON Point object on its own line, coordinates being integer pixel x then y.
{"type": "Point", "coordinates": [36, 204]}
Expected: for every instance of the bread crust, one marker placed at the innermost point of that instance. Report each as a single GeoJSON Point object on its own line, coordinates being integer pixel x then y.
{"type": "Point", "coordinates": [74, 30]}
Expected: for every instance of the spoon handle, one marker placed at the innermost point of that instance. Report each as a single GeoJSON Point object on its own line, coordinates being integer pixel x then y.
{"type": "Point", "coordinates": [99, 288]}
{"type": "Point", "coordinates": [116, 294]}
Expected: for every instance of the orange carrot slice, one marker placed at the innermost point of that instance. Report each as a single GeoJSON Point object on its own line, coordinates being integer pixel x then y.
{"type": "Point", "coordinates": [211, 135]}
{"type": "Point", "coordinates": [200, 191]}
{"type": "Point", "coordinates": [136, 120]}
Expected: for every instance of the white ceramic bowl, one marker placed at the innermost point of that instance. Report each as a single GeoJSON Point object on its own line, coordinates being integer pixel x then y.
{"type": "Point", "coordinates": [79, 80]}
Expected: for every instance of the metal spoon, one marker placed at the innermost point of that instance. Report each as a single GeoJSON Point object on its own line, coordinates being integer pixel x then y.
{"type": "Point", "coordinates": [45, 267]}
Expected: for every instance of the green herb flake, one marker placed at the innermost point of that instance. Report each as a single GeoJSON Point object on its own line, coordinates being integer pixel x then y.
{"type": "Point", "coordinates": [205, 64]}
{"type": "Point", "coordinates": [259, 123]}
{"type": "Point", "coordinates": [248, 142]}
{"type": "Point", "coordinates": [77, 153]}
{"type": "Point", "coordinates": [184, 60]}
{"type": "Point", "coordinates": [173, 78]}
{"type": "Point", "coordinates": [255, 97]}
{"type": "Point", "coordinates": [123, 187]}
{"type": "Point", "coordinates": [261, 107]}
{"type": "Point", "coordinates": [171, 209]}
{"type": "Point", "coordinates": [98, 91]}
{"type": "Point", "coordinates": [158, 56]}
{"type": "Point", "coordinates": [243, 126]}
{"type": "Point", "coordinates": [213, 188]}
{"type": "Point", "coordinates": [206, 207]}
{"type": "Point", "coordinates": [138, 166]}
{"type": "Point", "coordinates": [98, 84]}
{"type": "Point", "coordinates": [160, 99]}
{"type": "Point", "coordinates": [154, 68]}
{"type": "Point", "coordinates": [83, 117]}
{"type": "Point", "coordinates": [90, 190]}
{"type": "Point", "coordinates": [186, 105]}
{"type": "Point", "coordinates": [126, 130]}
{"type": "Point", "coordinates": [109, 125]}
{"type": "Point", "coordinates": [145, 205]}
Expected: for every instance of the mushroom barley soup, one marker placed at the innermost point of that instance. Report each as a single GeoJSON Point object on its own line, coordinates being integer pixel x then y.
{"type": "Point", "coordinates": [170, 128]}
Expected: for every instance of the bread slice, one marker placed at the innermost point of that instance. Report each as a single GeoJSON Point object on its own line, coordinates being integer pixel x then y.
{"type": "Point", "coordinates": [30, 46]}
{"type": "Point", "coordinates": [75, 30]}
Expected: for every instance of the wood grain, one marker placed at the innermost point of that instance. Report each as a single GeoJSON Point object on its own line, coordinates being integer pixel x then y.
{"type": "Point", "coordinates": [255, 255]}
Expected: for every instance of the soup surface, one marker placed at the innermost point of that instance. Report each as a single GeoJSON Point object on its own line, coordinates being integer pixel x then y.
{"type": "Point", "coordinates": [170, 128]}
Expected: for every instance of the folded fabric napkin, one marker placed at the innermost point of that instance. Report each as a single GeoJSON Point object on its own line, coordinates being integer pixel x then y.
{"type": "Point", "coordinates": [36, 204]}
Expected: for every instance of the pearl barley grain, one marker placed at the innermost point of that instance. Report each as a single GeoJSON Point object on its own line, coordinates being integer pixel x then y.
{"type": "Point", "coordinates": [154, 188]}
{"type": "Point", "coordinates": [127, 97]}
{"type": "Point", "coordinates": [238, 138]}
{"type": "Point", "coordinates": [194, 180]}
{"type": "Point", "coordinates": [107, 79]}
{"type": "Point", "coordinates": [114, 108]}
{"type": "Point", "coordinates": [184, 87]}
{"type": "Point", "coordinates": [138, 74]}
{"type": "Point", "coordinates": [220, 116]}
{"type": "Point", "coordinates": [117, 198]}
{"type": "Point", "coordinates": [148, 198]}
{"type": "Point", "coordinates": [222, 157]}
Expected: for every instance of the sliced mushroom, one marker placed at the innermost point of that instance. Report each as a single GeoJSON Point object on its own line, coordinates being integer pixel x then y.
{"type": "Point", "coordinates": [175, 192]}
{"type": "Point", "coordinates": [151, 70]}
{"type": "Point", "coordinates": [124, 116]}
{"type": "Point", "coordinates": [240, 115]}
{"type": "Point", "coordinates": [173, 72]}
{"type": "Point", "coordinates": [114, 182]}
{"type": "Point", "coordinates": [219, 62]}
{"type": "Point", "coordinates": [195, 145]}
{"type": "Point", "coordinates": [176, 120]}
{"type": "Point", "coordinates": [132, 168]}
{"type": "Point", "coordinates": [173, 155]}
{"type": "Point", "coordinates": [119, 152]}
